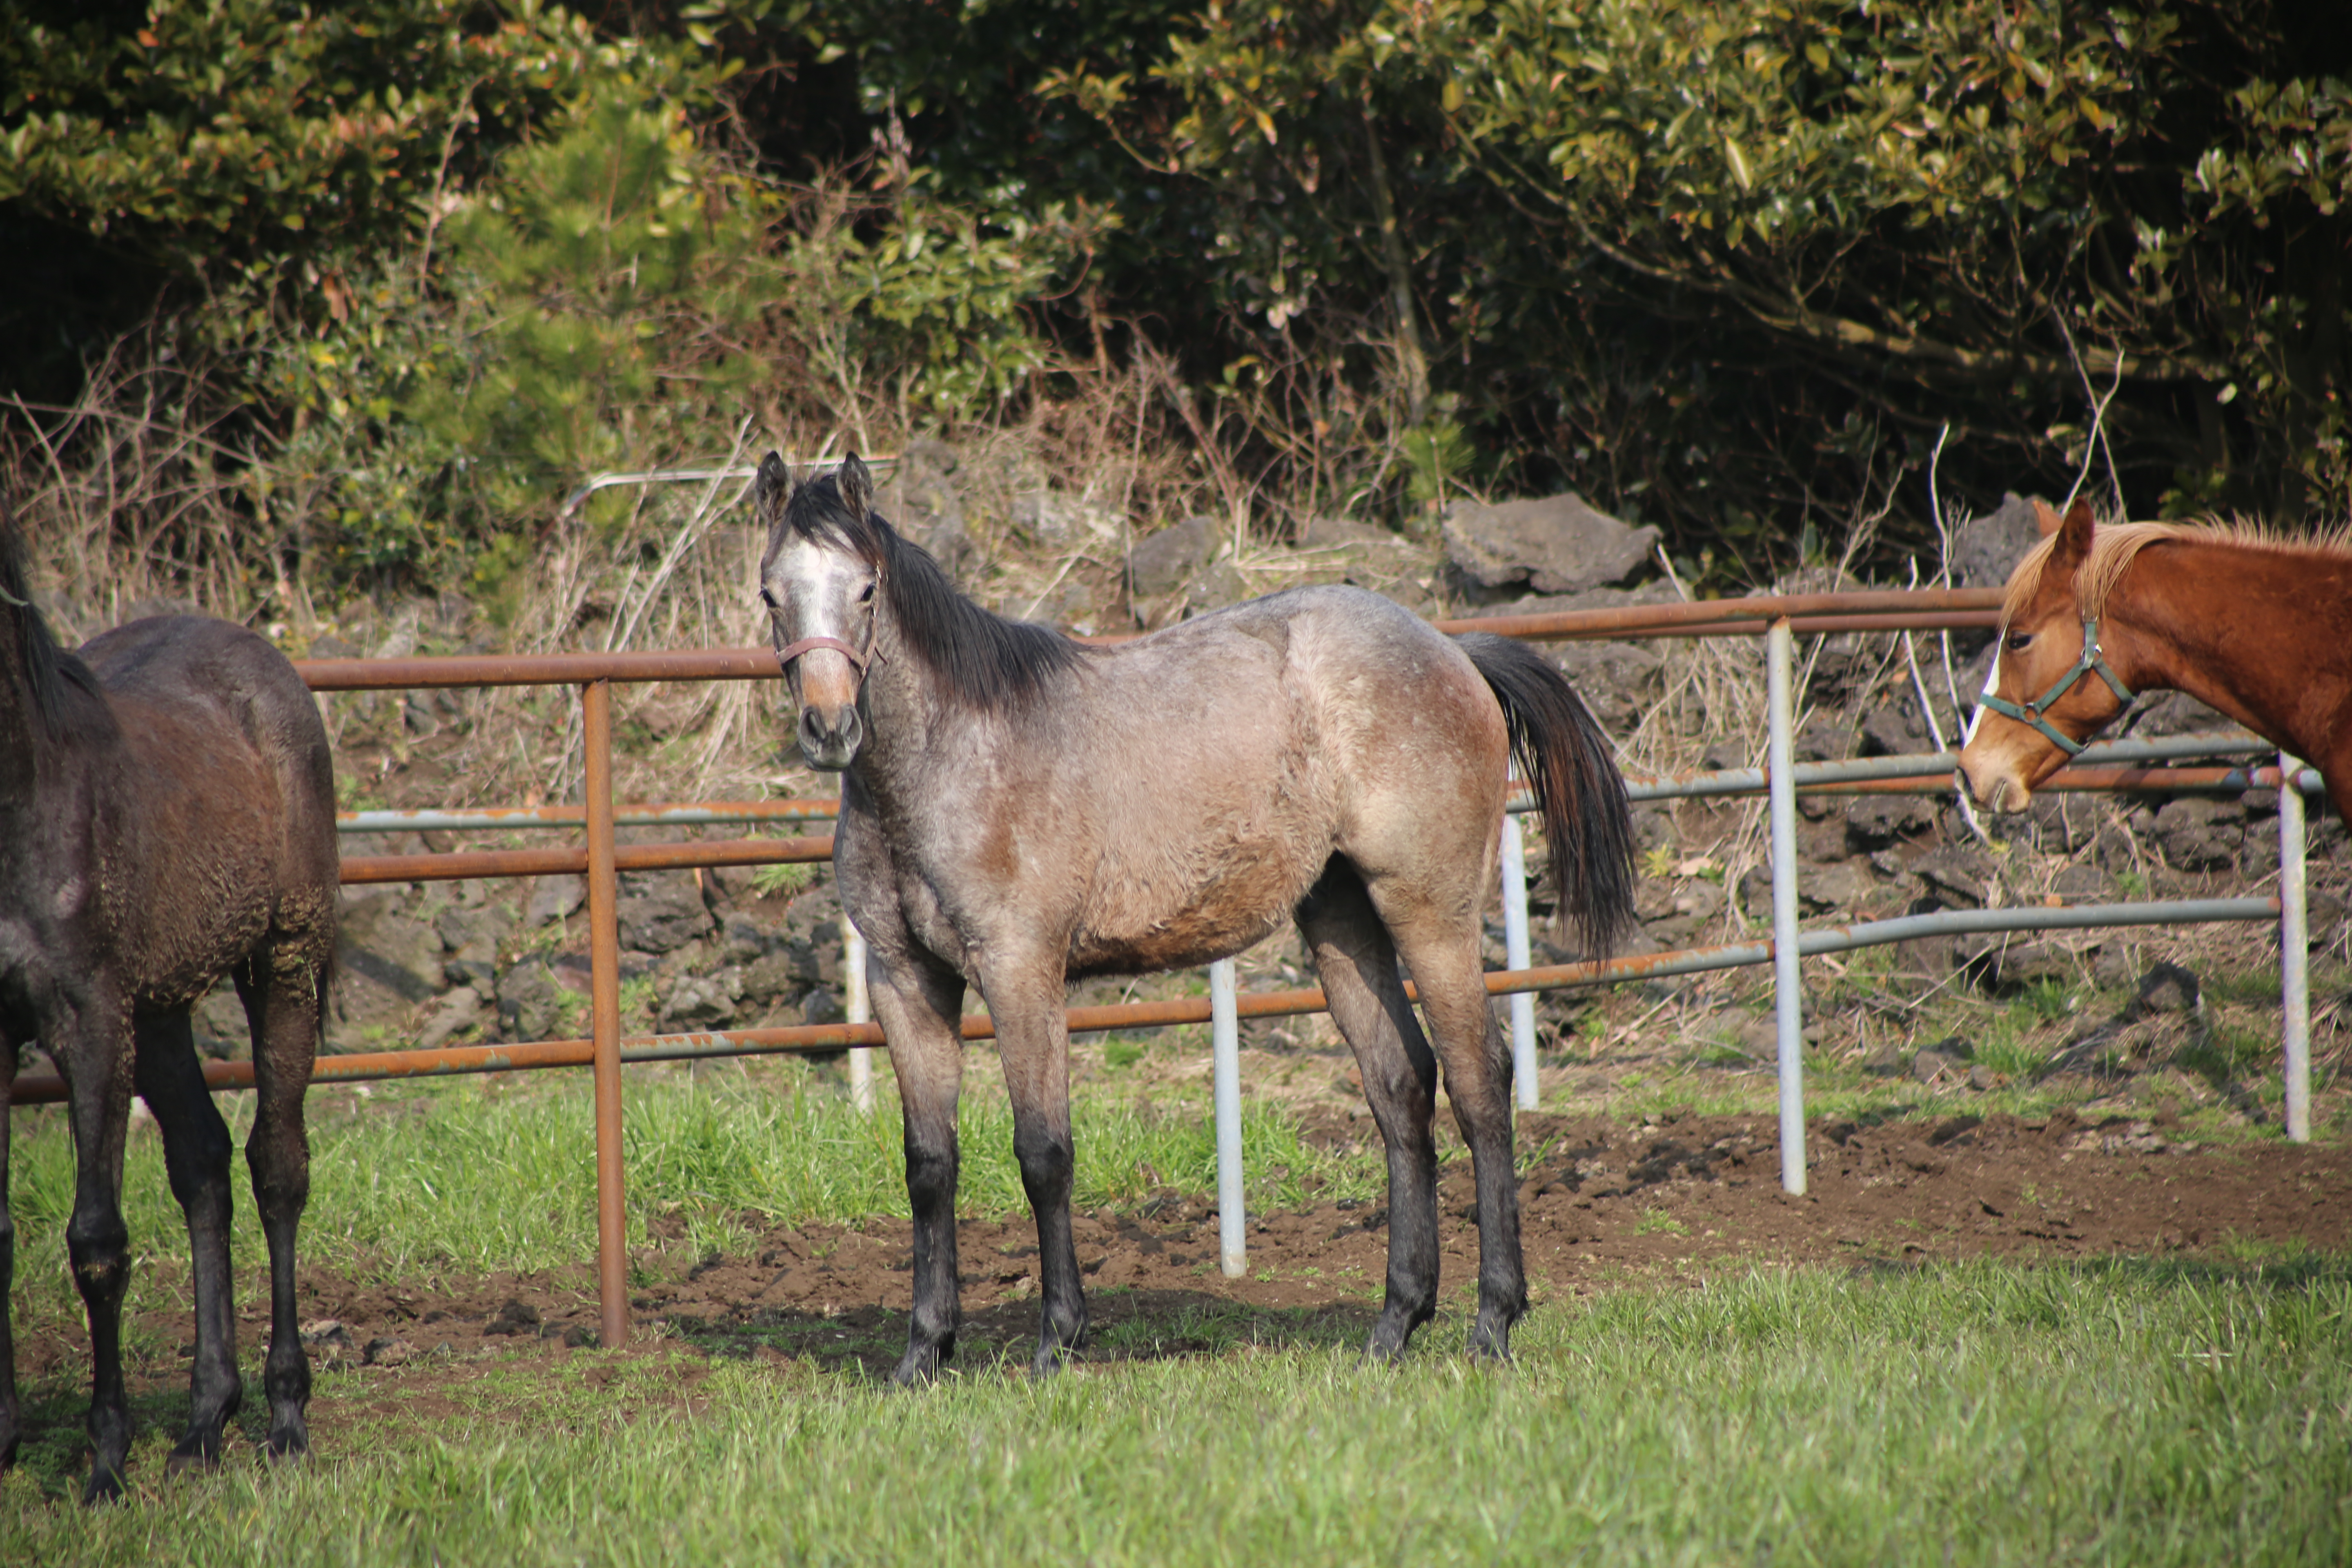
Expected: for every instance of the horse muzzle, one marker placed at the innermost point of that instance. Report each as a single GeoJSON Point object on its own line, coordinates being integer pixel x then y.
{"type": "Point", "coordinates": [829, 737]}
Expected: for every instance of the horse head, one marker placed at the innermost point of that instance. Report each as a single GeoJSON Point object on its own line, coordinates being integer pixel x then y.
{"type": "Point", "coordinates": [819, 579]}
{"type": "Point", "coordinates": [2041, 704]}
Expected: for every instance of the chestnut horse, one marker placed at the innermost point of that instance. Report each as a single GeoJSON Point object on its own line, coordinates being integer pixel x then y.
{"type": "Point", "coordinates": [1020, 810]}
{"type": "Point", "coordinates": [167, 815]}
{"type": "Point", "coordinates": [2254, 625]}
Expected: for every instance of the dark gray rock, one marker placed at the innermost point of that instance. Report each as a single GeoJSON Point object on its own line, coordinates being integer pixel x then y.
{"type": "Point", "coordinates": [1876, 822]}
{"type": "Point", "coordinates": [220, 1031]}
{"type": "Point", "coordinates": [2166, 988]}
{"type": "Point", "coordinates": [703, 1001]}
{"type": "Point", "coordinates": [1957, 876]}
{"type": "Point", "coordinates": [1213, 587]}
{"type": "Point", "coordinates": [1164, 562]}
{"type": "Point", "coordinates": [2083, 884]}
{"type": "Point", "coordinates": [661, 915]}
{"type": "Point", "coordinates": [2174, 713]}
{"type": "Point", "coordinates": [1556, 544]}
{"type": "Point", "coordinates": [1826, 738]}
{"type": "Point", "coordinates": [387, 960]}
{"type": "Point", "coordinates": [2197, 834]}
{"type": "Point", "coordinates": [554, 898]}
{"type": "Point", "coordinates": [456, 1011]}
{"type": "Point", "coordinates": [530, 1000]}
{"type": "Point", "coordinates": [2006, 963]}
{"type": "Point", "coordinates": [1985, 550]}
{"type": "Point", "coordinates": [925, 504]}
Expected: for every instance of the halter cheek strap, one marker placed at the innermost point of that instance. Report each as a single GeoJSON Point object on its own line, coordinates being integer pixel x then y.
{"type": "Point", "coordinates": [2092, 662]}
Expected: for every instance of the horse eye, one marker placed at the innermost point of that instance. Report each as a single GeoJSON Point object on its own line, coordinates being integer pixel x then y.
{"type": "Point", "coordinates": [2017, 641]}
{"type": "Point", "coordinates": [866, 595]}
{"type": "Point", "coordinates": [767, 598]}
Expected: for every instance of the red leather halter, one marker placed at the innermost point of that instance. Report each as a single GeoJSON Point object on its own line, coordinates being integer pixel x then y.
{"type": "Point", "coordinates": [791, 651]}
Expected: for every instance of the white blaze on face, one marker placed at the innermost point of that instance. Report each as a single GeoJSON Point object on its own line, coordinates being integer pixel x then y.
{"type": "Point", "coordinates": [1991, 685]}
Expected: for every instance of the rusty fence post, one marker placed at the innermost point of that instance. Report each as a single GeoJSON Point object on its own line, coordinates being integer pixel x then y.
{"type": "Point", "coordinates": [605, 1012]}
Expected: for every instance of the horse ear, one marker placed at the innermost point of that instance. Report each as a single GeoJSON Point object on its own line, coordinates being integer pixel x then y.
{"type": "Point", "coordinates": [770, 487]}
{"type": "Point", "coordinates": [2074, 531]}
{"type": "Point", "coordinates": [2045, 517]}
{"type": "Point", "coordinates": [856, 485]}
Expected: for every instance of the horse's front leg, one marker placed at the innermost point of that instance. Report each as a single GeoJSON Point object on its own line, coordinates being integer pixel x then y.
{"type": "Point", "coordinates": [1033, 1038]}
{"type": "Point", "coordinates": [918, 1003]}
{"type": "Point", "coordinates": [196, 1150]}
{"type": "Point", "coordinates": [89, 1039]}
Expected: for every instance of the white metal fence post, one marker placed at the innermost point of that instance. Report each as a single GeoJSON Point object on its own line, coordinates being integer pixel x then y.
{"type": "Point", "coordinates": [2294, 953]}
{"type": "Point", "coordinates": [859, 1010]}
{"type": "Point", "coordinates": [856, 1005]}
{"type": "Point", "coordinates": [1517, 955]}
{"type": "Point", "coordinates": [1788, 995]}
{"type": "Point", "coordinates": [1224, 1025]}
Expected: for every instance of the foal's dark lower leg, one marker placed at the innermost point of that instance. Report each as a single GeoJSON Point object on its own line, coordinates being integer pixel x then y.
{"type": "Point", "coordinates": [196, 1148]}
{"type": "Point", "coordinates": [284, 1005]}
{"type": "Point", "coordinates": [98, 1245]}
{"type": "Point", "coordinates": [1478, 1082]}
{"type": "Point", "coordinates": [1047, 1164]}
{"type": "Point", "coordinates": [916, 1003]}
{"type": "Point", "coordinates": [1356, 964]}
{"type": "Point", "coordinates": [11, 1430]}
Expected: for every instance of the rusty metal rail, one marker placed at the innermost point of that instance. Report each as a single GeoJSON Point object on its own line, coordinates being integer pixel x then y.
{"type": "Point", "coordinates": [601, 859]}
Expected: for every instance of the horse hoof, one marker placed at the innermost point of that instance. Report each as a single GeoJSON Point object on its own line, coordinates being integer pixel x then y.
{"type": "Point", "coordinates": [917, 1370]}
{"type": "Point", "coordinates": [290, 1445]}
{"type": "Point", "coordinates": [193, 1456]}
{"type": "Point", "coordinates": [105, 1485]}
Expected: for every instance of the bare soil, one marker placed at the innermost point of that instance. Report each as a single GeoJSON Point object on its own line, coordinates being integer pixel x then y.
{"type": "Point", "coordinates": [1606, 1204]}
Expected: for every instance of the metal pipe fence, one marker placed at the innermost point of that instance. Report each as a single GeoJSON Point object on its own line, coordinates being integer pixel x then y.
{"type": "Point", "coordinates": [601, 859]}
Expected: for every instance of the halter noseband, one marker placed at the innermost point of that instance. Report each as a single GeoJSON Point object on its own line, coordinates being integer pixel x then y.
{"type": "Point", "coordinates": [857, 661]}
{"type": "Point", "coordinates": [2092, 662]}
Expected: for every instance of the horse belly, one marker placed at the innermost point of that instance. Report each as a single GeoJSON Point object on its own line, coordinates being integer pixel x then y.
{"type": "Point", "coordinates": [1195, 911]}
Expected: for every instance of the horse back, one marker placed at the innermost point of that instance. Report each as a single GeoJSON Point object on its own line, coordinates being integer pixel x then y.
{"type": "Point", "coordinates": [1211, 772]}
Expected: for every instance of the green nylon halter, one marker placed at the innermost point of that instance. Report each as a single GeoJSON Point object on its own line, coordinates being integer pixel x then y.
{"type": "Point", "coordinates": [2092, 662]}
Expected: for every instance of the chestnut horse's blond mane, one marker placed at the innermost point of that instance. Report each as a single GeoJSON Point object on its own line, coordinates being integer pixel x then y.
{"type": "Point", "coordinates": [2116, 545]}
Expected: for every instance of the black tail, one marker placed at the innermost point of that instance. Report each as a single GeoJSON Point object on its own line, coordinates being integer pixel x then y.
{"type": "Point", "coordinates": [1564, 758]}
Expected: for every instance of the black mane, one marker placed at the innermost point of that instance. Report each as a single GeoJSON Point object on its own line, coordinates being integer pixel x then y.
{"type": "Point", "coordinates": [985, 660]}
{"type": "Point", "coordinates": [48, 671]}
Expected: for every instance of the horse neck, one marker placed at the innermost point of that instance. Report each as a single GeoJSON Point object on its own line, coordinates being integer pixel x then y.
{"type": "Point", "coordinates": [910, 722]}
{"type": "Point", "coordinates": [23, 734]}
{"type": "Point", "coordinates": [2263, 636]}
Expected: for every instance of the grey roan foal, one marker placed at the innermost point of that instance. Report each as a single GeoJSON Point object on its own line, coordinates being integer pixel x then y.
{"type": "Point", "coordinates": [167, 815]}
{"type": "Point", "coordinates": [1020, 810]}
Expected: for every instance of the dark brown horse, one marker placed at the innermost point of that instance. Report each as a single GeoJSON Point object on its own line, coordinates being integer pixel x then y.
{"type": "Point", "coordinates": [167, 815]}
{"type": "Point", "coordinates": [2248, 622]}
{"type": "Point", "coordinates": [1020, 811]}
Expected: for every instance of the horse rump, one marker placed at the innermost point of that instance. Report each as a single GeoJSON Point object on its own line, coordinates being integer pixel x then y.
{"type": "Point", "coordinates": [1562, 755]}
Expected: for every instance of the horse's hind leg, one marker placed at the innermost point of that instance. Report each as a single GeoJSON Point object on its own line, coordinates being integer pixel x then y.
{"type": "Point", "coordinates": [1444, 956]}
{"type": "Point", "coordinates": [1356, 964]}
{"type": "Point", "coordinates": [197, 1149]}
{"type": "Point", "coordinates": [916, 1003]}
{"type": "Point", "coordinates": [284, 994]}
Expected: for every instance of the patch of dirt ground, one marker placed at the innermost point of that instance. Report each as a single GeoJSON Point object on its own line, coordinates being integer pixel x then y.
{"type": "Point", "coordinates": [1680, 1198]}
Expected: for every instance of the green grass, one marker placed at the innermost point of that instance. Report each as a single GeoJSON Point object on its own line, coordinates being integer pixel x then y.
{"type": "Point", "coordinates": [431, 1176]}
{"type": "Point", "coordinates": [2121, 1413]}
